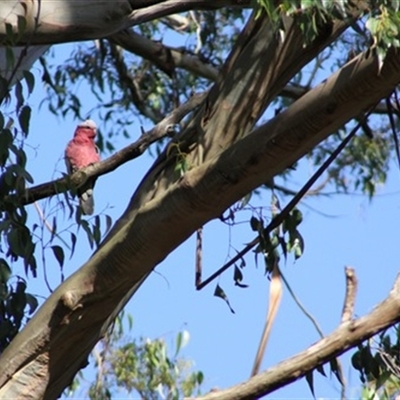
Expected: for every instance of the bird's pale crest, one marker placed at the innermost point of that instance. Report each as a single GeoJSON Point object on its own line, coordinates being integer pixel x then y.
{"type": "Point", "coordinates": [88, 124]}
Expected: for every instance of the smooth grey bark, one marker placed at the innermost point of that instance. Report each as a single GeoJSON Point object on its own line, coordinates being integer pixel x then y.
{"type": "Point", "coordinates": [50, 22]}
{"type": "Point", "coordinates": [25, 56]}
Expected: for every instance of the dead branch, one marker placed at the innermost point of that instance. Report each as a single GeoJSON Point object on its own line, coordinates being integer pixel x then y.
{"type": "Point", "coordinates": [348, 335]}
{"type": "Point", "coordinates": [351, 291]}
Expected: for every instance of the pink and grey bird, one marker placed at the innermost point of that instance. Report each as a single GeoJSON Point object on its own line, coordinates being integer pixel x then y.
{"type": "Point", "coordinates": [81, 151]}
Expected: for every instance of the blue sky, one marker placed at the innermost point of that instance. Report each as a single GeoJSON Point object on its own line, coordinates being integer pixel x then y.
{"type": "Point", "coordinates": [338, 231]}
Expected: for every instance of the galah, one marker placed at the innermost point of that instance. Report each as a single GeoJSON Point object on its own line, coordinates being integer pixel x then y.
{"type": "Point", "coordinates": [81, 151]}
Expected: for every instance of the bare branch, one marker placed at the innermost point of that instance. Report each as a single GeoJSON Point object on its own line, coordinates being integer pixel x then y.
{"type": "Point", "coordinates": [129, 81]}
{"type": "Point", "coordinates": [348, 335]}
{"type": "Point", "coordinates": [164, 57]}
{"type": "Point", "coordinates": [134, 150]}
{"type": "Point", "coordinates": [177, 22]}
{"type": "Point", "coordinates": [351, 291]}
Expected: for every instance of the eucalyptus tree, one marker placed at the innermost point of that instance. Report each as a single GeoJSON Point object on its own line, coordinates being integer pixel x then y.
{"type": "Point", "coordinates": [240, 57]}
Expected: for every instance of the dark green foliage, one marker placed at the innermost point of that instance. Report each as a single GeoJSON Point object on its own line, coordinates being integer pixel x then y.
{"type": "Point", "coordinates": [14, 302]}
{"type": "Point", "coordinates": [377, 362]}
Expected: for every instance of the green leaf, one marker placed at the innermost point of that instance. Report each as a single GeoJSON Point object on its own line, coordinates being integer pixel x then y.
{"type": "Point", "coordinates": [58, 254]}
{"type": "Point", "coordinates": [5, 142]}
{"type": "Point", "coordinates": [372, 25]}
{"type": "Point", "coordinates": [24, 118]}
{"type": "Point", "coordinates": [15, 243]}
{"type": "Point", "coordinates": [85, 225]}
{"type": "Point", "coordinates": [10, 60]}
{"type": "Point", "coordinates": [130, 321]}
{"type": "Point", "coordinates": [304, 4]}
{"type": "Point", "coordinates": [108, 223]}
{"type": "Point", "coordinates": [200, 377]}
{"type": "Point", "coordinates": [182, 340]}
{"type": "Point", "coordinates": [320, 369]}
{"type": "Point", "coordinates": [297, 216]}
{"type": "Point", "coordinates": [32, 303]}
{"type": "Point", "coordinates": [255, 224]}
{"type": "Point", "coordinates": [221, 294]}
{"type": "Point", "coordinates": [21, 23]}
{"type": "Point", "coordinates": [283, 246]}
{"type": "Point", "coordinates": [310, 381]}
{"type": "Point", "coordinates": [238, 277]}
{"type": "Point", "coordinates": [30, 80]}
{"type": "Point", "coordinates": [335, 369]}
{"type": "Point", "coordinates": [296, 244]}
{"type": "Point", "coordinates": [53, 228]}
{"type": "Point", "coordinates": [73, 243]}
{"type": "Point", "coordinates": [18, 170]}
{"type": "Point", "coordinates": [5, 271]}
{"type": "Point", "coordinates": [18, 95]}
{"type": "Point", "coordinates": [97, 230]}
{"type": "Point", "coordinates": [10, 38]}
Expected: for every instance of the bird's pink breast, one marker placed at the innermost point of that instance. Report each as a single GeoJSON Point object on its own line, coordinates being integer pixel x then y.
{"type": "Point", "coordinates": [81, 154]}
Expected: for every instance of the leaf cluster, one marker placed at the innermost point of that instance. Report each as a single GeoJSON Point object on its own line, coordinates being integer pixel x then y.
{"type": "Point", "coordinates": [141, 367]}
{"type": "Point", "coordinates": [378, 365]}
{"type": "Point", "coordinates": [15, 304]}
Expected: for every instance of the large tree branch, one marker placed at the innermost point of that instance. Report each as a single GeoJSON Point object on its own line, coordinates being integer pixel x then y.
{"type": "Point", "coordinates": [349, 334]}
{"type": "Point", "coordinates": [70, 21]}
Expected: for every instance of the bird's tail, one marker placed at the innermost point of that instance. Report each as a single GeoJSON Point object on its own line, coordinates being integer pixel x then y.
{"type": "Point", "coordinates": [86, 201]}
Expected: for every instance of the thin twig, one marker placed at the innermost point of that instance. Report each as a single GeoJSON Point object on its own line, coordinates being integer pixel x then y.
{"type": "Point", "coordinates": [302, 308]}
{"type": "Point", "coordinates": [48, 226]}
